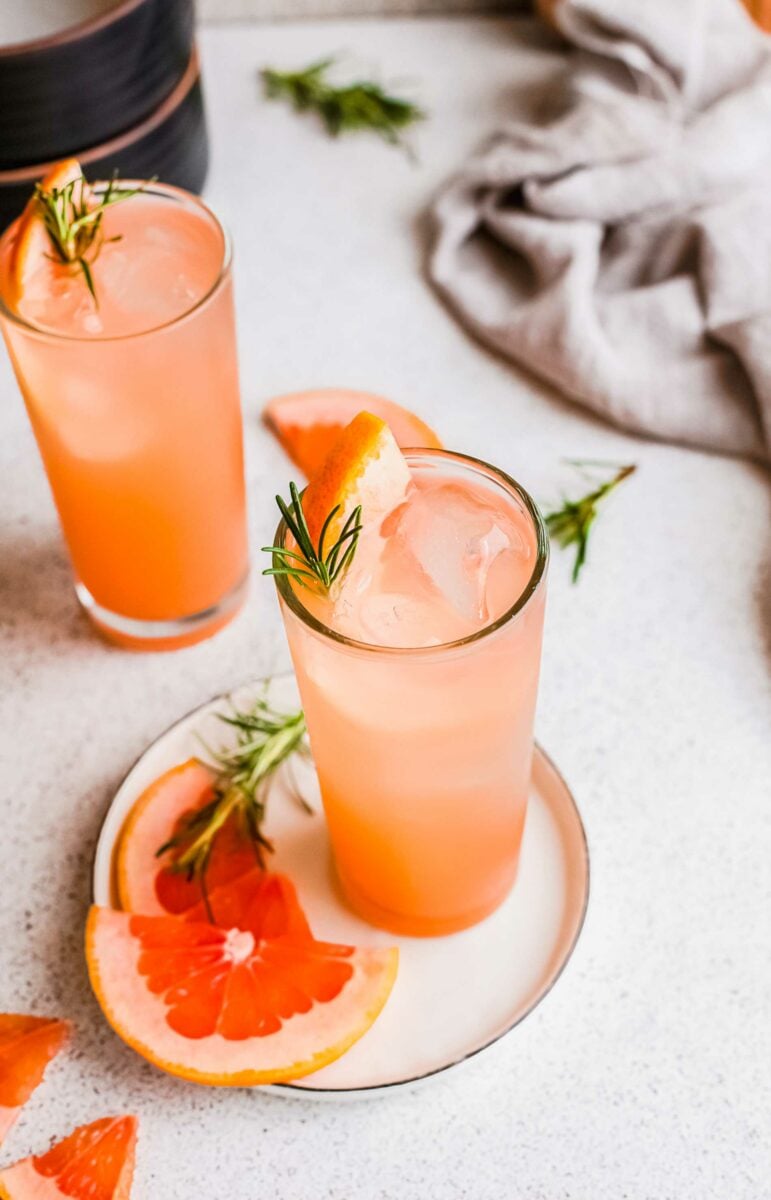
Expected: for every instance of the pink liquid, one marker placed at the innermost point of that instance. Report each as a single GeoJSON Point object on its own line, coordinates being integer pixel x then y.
{"type": "Point", "coordinates": [135, 406]}
{"type": "Point", "coordinates": [442, 566]}
{"type": "Point", "coordinates": [157, 261]}
{"type": "Point", "coordinates": [424, 749]}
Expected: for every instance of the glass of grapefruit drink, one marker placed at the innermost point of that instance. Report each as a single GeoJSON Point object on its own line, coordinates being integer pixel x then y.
{"type": "Point", "coordinates": [118, 317]}
{"type": "Point", "coordinates": [414, 621]}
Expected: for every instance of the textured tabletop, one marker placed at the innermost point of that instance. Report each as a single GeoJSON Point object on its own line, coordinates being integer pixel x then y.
{"type": "Point", "coordinates": [645, 1073]}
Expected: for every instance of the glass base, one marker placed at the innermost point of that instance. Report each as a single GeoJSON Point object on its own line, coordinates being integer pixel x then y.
{"type": "Point", "coordinates": [135, 634]}
{"type": "Point", "coordinates": [413, 924]}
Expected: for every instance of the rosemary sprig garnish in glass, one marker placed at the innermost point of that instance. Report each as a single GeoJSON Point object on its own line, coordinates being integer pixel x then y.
{"type": "Point", "coordinates": [572, 523]}
{"type": "Point", "coordinates": [265, 738]}
{"type": "Point", "coordinates": [310, 565]}
{"type": "Point", "coordinates": [354, 106]}
{"type": "Point", "coordinates": [73, 217]}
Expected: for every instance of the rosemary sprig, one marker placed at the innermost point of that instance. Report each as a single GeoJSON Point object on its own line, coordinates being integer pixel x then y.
{"type": "Point", "coordinates": [572, 523]}
{"type": "Point", "coordinates": [73, 217]}
{"type": "Point", "coordinates": [265, 738]}
{"type": "Point", "coordinates": [358, 105]}
{"type": "Point", "coordinates": [314, 565]}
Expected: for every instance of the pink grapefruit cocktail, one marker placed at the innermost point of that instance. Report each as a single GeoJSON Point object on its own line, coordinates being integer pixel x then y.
{"type": "Point", "coordinates": [134, 401]}
{"type": "Point", "coordinates": [418, 676]}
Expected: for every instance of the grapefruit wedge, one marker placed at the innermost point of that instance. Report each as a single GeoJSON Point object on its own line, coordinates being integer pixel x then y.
{"type": "Point", "coordinates": [96, 1162]}
{"type": "Point", "coordinates": [240, 894]}
{"type": "Point", "coordinates": [307, 424]}
{"type": "Point", "coordinates": [145, 882]}
{"type": "Point", "coordinates": [30, 264]}
{"type": "Point", "coordinates": [27, 1045]}
{"type": "Point", "coordinates": [365, 466]}
{"type": "Point", "coordinates": [221, 1006]}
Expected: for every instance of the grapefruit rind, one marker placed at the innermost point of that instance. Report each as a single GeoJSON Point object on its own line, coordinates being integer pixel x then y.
{"type": "Point", "coordinates": [307, 424]}
{"type": "Point", "coordinates": [31, 241]}
{"type": "Point", "coordinates": [21, 1181]}
{"type": "Point", "coordinates": [149, 824]}
{"type": "Point", "coordinates": [304, 1043]}
{"type": "Point", "coordinates": [365, 466]}
{"type": "Point", "coordinates": [7, 1119]}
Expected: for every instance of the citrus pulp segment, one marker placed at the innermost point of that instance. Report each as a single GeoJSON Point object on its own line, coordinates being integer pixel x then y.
{"type": "Point", "coordinates": [261, 902]}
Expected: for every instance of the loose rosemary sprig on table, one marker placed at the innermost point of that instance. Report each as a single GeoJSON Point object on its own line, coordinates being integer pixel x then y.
{"type": "Point", "coordinates": [73, 217]}
{"type": "Point", "coordinates": [572, 523]}
{"type": "Point", "coordinates": [354, 106]}
{"type": "Point", "coordinates": [265, 738]}
{"type": "Point", "coordinates": [314, 565]}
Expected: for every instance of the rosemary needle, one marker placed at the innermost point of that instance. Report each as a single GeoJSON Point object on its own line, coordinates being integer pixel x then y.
{"type": "Point", "coordinates": [309, 564]}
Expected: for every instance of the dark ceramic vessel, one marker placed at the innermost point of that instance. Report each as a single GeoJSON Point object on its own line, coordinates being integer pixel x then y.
{"type": "Point", "coordinates": [92, 82]}
{"type": "Point", "coordinates": [171, 144]}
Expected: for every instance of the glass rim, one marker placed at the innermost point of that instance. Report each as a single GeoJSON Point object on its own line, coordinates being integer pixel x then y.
{"type": "Point", "coordinates": [180, 196]}
{"type": "Point", "coordinates": [290, 598]}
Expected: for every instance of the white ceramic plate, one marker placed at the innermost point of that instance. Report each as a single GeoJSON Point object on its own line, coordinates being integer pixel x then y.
{"type": "Point", "coordinates": [454, 996]}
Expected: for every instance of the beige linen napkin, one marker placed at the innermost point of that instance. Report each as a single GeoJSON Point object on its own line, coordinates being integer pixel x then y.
{"type": "Point", "coordinates": [623, 251]}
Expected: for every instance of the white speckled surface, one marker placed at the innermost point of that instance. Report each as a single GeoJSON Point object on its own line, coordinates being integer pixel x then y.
{"type": "Point", "coordinates": [239, 10]}
{"type": "Point", "coordinates": [645, 1073]}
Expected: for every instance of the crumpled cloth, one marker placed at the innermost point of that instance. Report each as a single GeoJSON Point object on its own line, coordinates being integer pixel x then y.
{"type": "Point", "coordinates": [622, 250]}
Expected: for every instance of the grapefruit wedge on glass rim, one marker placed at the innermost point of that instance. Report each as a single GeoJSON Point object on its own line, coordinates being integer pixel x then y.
{"type": "Point", "coordinates": [27, 1045]}
{"type": "Point", "coordinates": [226, 1007]}
{"type": "Point", "coordinates": [31, 265]}
{"type": "Point", "coordinates": [307, 424]}
{"type": "Point", "coordinates": [96, 1162]}
{"type": "Point", "coordinates": [364, 467]}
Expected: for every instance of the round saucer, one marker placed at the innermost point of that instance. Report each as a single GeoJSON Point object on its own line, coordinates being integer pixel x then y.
{"type": "Point", "coordinates": [454, 996]}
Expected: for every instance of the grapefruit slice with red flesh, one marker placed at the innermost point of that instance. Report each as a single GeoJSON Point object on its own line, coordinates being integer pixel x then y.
{"type": "Point", "coordinates": [307, 424]}
{"type": "Point", "coordinates": [221, 1006]}
{"type": "Point", "coordinates": [96, 1162]}
{"type": "Point", "coordinates": [30, 262]}
{"type": "Point", "coordinates": [27, 1045]}
{"type": "Point", "coordinates": [239, 892]}
{"type": "Point", "coordinates": [145, 882]}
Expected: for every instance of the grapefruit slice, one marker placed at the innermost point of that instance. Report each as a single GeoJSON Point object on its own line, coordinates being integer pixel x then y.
{"type": "Point", "coordinates": [30, 261]}
{"type": "Point", "coordinates": [146, 882]}
{"type": "Point", "coordinates": [27, 1045]}
{"type": "Point", "coordinates": [220, 1006]}
{"type": "Point", "coordinates": [240, 894]}
{"type": "Point", "coordinates": [365, 466]}
{"type": "Point", "coordinates": [307, 424]}
{"type": "Point", "coordinates": [96, 1162]}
